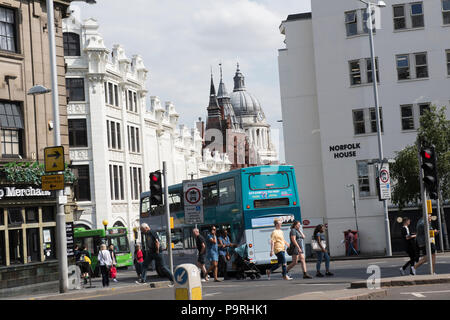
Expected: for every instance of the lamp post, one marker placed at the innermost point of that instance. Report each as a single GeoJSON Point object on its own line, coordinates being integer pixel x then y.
{"type": "Point", "coordinates": [135, 230]}
{"type": "Point", "coordinates": [60, 216]}
{"type": "Point", "coordinates": [369, 5]}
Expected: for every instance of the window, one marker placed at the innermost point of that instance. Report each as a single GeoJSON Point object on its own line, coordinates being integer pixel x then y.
{"type": "Point", "coordinates": [77, 133]}
{"type": "Point", "coordinates": [75, 89]}
{"type": "Point", "coordinates": [446, 11]}
{"type": "Point", "coordinates": [269, 180]}
{"type": "Point", "coordinates": [114, 135]}
{"type": "Point", "coordinates": [363, 178]}
{"type": "Point", "coordinates": [227, 192]}
{"type": "Point", "coordinates": [408, 16]}
{"type": "Point", "coordinates": [210, 194]}
{"type": "Point", "coordinates": [71, 44]}
{"type": "Point", "coordinates": [447, 53]}
{"type": "Point", "coordinates": [11, 124]}
{"type": "Point", "coordinates": [355, 73]}
{"type": "Point", "coordinates": [15, 218]}
{"type": "Point", "coordinates": [82, 186]}
{"type": "Point", "coordinates": [2, 217]}
{"type": "Point", "coordinates": [417, 19]}
{"type": "Point", "coordinates": [351, 23]}
{"type": "Point", "coordinates": [111, 94]}
{"type": "Point", "coordinates": [2, 249]}
{"type": "Point", "coordinates": [403, 67]}
{"type": "Point", "coordinates": [421, 65]}
{"type": "Point", "coordinates": [136, 182]}
{"type": "Point", "coordinates": [32, 215]}
{"type": "Point", "coordinates": [366, 16]}
{"type": "Point", "coordinates": [407, 117]}
{"type": "Point", "coordinates": [16, 246]}
{"type": "Point", "coordinates": [411, 113]}
{"type": "Point", "coordinates": [373, 119]}
{"type": "Point", "coordinates": [116, 182]}
{"type": "Point", "coordinates": [133, 139]}
{"type": "Point", "coordinates": [131, 101]}
{"type": "Point", "coordinates": [48, 214]}
{"type": "Point", "coordinates": [369, 70]}
{"type": "Point", "coordinates": [175, 202]}
{"type": "Point", "coordinates": [399, 17]}
{"type": "Point", "coordinates": [7, 30]}
{"type": "Point", "coordinates": [359, 122]}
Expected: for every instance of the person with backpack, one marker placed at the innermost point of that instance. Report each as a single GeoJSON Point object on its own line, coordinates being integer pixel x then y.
{"type": "Point", "coordinates": [153, 252]}
{"type": "Point", "coordinates": [84, 260]}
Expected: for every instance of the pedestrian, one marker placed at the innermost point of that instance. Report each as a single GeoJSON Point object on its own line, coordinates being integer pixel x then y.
{"type": "Point", "coordinates": [76, 253]}
{"type": "Point", "coordinates": [350, 240]}
{"type": "Point", "coordinates": [113, 271]}
{"type": "Point", "coordinates": [421, 243]}
{"type": "Point", "coordinates": [409, 240]}
{"type": "Point", "coordinates": [225, 246]}
{"type": "Point", "coordinates": [278, 246]}
{"type": "Point", "coordinates": [320, 248]}
{"type": "Point", "coordinates": [152, 251]}
{"type": "Point", "coordinates": [85, 258]}
{"type": "Point", "coordinates": [105, 262]}
{"type": "Point", "coordinates": [212, 253]}
{"type": "Point", "coordinates": [297, 238]}
{"type": "Point", "coordinates": [201, 258]}
{"type": "Point", "coordinates": [138, 260]}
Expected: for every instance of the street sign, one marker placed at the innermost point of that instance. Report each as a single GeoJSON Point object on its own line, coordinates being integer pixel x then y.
{"type": "Point", "coordinates": [52, 182]}
{"type": "Point", "coordinates": [384, 182]}
{"type": "Point", "coordinates": [54, 159]}
{"type": "Point", "coordinates": [193, 201]}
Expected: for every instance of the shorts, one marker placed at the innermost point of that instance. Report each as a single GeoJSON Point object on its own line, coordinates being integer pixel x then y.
{"type": "Point", "coordinates": [423, 251]}
{"type": "Point", "coordinates": [201, 258]}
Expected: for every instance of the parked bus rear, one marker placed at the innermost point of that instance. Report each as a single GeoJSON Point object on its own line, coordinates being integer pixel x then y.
{"type": "Point", "coordinates": [268, 192]}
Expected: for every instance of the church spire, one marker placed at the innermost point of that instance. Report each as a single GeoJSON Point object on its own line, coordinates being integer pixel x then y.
{"type": "Point", "coordinates": [239, 84]}
{"type": "Point", "coordinates": [222, 91]}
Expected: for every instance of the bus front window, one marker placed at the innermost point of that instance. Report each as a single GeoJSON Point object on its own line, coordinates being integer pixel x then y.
{"type": "Point", "coordinates": [120, 244]}
{"type": "Point", "coordinates": [145, 207]}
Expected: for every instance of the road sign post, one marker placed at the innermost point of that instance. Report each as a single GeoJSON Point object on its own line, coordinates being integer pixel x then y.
{"type": "Point", "coordinates": [193, 201]}
{"type": "Point", "coordinates": [166, 207]}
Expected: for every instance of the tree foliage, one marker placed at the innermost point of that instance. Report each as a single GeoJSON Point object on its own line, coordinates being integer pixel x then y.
{"type": "Point", "coordinates": [434, 130]}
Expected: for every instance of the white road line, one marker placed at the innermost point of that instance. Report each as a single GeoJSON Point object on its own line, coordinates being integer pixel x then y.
{"type": "Point", "coordinates": [418, 295]}
{"type": "Point", "coordinates": [211, 294]}
{"type": "Point", "coordinates": [427, 292]}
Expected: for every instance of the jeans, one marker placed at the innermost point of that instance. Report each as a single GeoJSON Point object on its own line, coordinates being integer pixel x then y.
{"type": "Point", "coordinates": [320, 256]}
{"type": "Point", "coordinates": [105, 275]}
{"type": "Point", "coordinates": [222, 266]}
{"type": "Point", "coordinates": [351, 249]}
{"type": "Point", "coordinates": [159, 263]}
{"type": "Point", "coordinates": [138, 266]}
{"type": "Point", "coordinates": [281, 260]}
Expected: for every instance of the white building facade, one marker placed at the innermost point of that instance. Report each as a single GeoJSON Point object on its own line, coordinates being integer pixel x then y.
{"type": "Point", "coordinates": [328, 103]}
{"type": "Point", "coordinates": [118, 135]}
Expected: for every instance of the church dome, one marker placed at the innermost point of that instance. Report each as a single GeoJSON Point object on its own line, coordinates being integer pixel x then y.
{"type": "Point", "coordinates": [243, 102]}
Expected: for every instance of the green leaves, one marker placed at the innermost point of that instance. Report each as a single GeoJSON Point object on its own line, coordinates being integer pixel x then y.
{"type": "Point", "coordinates": [31, 172]}
{"type": "Point", "coordinates": [434, 130]}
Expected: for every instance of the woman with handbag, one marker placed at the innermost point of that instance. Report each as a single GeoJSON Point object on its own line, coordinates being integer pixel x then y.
{"type": "Point", "coordinates": [105, 262]}
{"type": "Point", "coordinates": [297, 248]}
{"type": "Point", "coordinates": [319, 246]}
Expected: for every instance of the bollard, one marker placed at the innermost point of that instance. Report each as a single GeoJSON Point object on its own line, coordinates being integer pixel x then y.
{"type": "Point", "coordinates": [188, 285]}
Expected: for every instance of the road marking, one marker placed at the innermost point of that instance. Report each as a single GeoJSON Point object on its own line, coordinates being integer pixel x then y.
{"type": "Point", "coordinates": [418, 295]}
{"type": "Point", "coordinates": [427, 292]}
{"type": "Point", "coordinates": [211, 294]}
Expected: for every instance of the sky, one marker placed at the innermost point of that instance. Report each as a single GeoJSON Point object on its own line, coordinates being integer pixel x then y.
{"type": "Point", "coordinates": [181, 40]}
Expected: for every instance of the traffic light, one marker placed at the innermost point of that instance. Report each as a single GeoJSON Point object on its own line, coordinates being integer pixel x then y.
{"type": "Point", "coordinates": [156, 196]}
{"type": "Point", "coordinates": [429, 166]}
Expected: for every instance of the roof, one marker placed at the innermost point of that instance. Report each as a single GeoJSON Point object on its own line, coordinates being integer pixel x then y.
{"type": "Point", "coordinates": [299, 16]}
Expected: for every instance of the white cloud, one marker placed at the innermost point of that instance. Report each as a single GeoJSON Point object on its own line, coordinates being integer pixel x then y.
{"type": "Point", "coordinates": [180, 40]}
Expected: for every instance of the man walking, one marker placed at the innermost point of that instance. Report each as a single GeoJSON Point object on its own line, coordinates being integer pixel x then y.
{"type": "Point", "coordinates": [421, 242]}
{"type": "Point", "coordinates": [201, 247]}
{"type": "Point", "coordinates": [152, 252]}
{"type": "Point", "coordinates": [350, 240]}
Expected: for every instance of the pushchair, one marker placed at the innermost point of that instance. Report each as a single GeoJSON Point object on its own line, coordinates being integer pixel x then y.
{"type": "Point", "coordinates": [244, 267]}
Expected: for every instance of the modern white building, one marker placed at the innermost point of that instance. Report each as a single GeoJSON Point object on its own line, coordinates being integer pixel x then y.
{"type": "Point", "coordinates": [328, 103]}
{"type": "Point", "coordinates": [118, 135]}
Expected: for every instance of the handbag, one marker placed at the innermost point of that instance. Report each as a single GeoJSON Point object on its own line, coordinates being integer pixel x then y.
{"type": "Point", "coordinates": [290, 249]}
{"type": "Point", "coordinates": [316, 247]}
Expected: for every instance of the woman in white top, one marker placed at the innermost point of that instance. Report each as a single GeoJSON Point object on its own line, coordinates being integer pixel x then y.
{"type": "Point", "coordinates": [105, 262]}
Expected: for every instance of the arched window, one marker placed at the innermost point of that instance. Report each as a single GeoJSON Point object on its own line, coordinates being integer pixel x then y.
{"type": "Point", "coordinates": [71, 44]}
{"type": "Point", "coordinates": [118, 224]}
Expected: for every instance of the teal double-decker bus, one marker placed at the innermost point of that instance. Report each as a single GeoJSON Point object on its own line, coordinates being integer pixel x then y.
{"type": "Point", "coordinates": [244, 201]}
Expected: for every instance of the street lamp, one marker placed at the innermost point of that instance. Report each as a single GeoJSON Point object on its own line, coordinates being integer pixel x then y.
{"type": "Point", "coordinates": [105, 224]}
{"type": "Point", "coordinates": [60, 200]}
{"type": "Point", "coordinates": [380, 4]}
{"type": "Point", "coordinates": [135, 230]}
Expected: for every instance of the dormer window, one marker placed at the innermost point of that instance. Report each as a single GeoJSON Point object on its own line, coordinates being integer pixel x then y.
{"type": "Point", "coordinates": [71, 44]}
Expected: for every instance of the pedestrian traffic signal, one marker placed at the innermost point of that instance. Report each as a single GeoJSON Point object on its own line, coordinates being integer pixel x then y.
{"type": "Point", "coordinates": [429, 166]}
{"type": "Point", "coordinates": [156, 196]}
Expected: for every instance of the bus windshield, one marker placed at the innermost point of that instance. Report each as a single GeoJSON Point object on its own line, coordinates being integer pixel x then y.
{"type": "Point", "coordinates": [120, 243]}
{"type": "Point", "coordinates": [268, 180]}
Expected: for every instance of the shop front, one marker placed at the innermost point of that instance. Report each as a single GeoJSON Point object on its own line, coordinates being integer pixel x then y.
{"type": "Point", "coordinates": [27, 239]}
